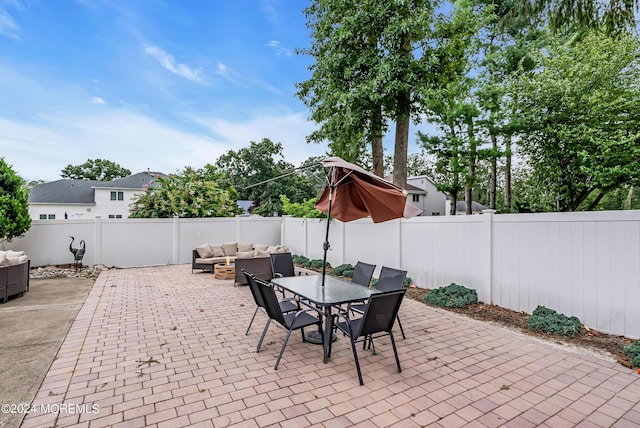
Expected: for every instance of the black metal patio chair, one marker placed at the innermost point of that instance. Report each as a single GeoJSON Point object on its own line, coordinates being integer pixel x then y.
{"type": "Point", "coordinates": [379, 316]}
{"type": "Point", "coordinates": [362, 273]}
{"type": "Point", "coordinates": [286, 305]}
{"type": "Point", "coordinates": [291, 321]}
{"type": "Point", "coordinates": [390, 280]}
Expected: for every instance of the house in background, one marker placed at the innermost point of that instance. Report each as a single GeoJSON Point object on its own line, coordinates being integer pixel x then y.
{"type": "Point", "coordinates": [77, 199]}
{"type": "Point", "coordinates": [424, 195]}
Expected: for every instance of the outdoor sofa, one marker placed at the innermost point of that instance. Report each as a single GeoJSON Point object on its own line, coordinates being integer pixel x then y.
{"type": "Point", "coordinates": [14, 274]}
{"type": "Point", "coordinates": [252, 258]}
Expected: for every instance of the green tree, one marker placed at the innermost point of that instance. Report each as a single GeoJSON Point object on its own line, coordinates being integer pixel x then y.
{"type": "Point", "coordinates": [260, 174]}
{"type": "Point", "coordinates": [192, 193]}
{"type": "Point", "coordinates": [306, 208]}
{"type": "Point", "coordinates": [95, 169]}
{"type": "Point", "coordinates": [371, 59]}
{"type": "Point", "coordinates": [578, 120]}
{"type": "Point", "coordinates": [14, 208]}
{"type": "Point", "coordinates": [613, 17]}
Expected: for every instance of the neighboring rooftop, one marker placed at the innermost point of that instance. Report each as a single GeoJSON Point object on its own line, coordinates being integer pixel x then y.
{"type": "Point", "coordinates": [64, 191]}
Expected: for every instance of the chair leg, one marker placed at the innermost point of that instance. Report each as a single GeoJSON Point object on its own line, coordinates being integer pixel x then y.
{"type": "Point", "coordinates": [401, 329]}
{"type": "Point", "coordinates": [395, 351]}
{"type": "Point", "coordinates": [252, 318]}
{"type": "Point", "coordinates": [286, 339]}
{"type": "Point", "coordinates": [264, 332]}
{"type": "Point", "coordinates": [355, 357]}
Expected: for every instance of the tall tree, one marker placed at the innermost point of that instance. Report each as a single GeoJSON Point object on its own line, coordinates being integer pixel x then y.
{"type": "Point", "coordinates": [264, 163]}
{"type": "Point", "coordinates": [14, 208]}
{"type": "Point", "coordinates": [95, 169]}
{"type": "Point", "coordinates": [578, 117]}
{"type": "Point", "coordinates": [371, 57]}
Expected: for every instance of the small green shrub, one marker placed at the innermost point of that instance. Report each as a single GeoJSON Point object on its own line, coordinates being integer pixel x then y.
{"type": "Point", "coordinates": [300, 260]}
{"type": "Point", "coordinates": [452, 296]}
{"type": "Point", "coordinates": [633, 352]}
{"type": "Point", "coordinates": [344, 270]}
{"type": "Point", "coordinates": [548, 321]}
{"type": "Point", "coordinates": [316, 264]}
{"type": "Point", "coordinates": [406, 283]}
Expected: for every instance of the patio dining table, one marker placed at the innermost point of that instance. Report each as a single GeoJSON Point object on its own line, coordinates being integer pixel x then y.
{"type": "Point", "coordinates": [334, 292]}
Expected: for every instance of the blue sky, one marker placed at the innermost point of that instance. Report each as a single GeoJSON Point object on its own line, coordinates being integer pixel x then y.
{"type": "Point", "coordinates": [150, 84]}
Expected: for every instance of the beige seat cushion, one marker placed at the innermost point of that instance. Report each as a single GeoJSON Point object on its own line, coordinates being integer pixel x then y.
{"type": "Point", "coordinates": [218, 251]}
{"type": "Point", "coordinates": [204, 251]}
{"type": "Point", "coordinates": [244, 254]}
{"type": "Point", "coordinates": [230, 248]}
{"type": "Point", "coordinates": [245, 246]}
{"type": "Point", "coordinates": [259, 253]}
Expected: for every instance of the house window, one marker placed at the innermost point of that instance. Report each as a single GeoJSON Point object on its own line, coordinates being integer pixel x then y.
{"type": "Point", "coordinates": [117, 196]}
{"type": "Point", "coordinates": [416, 198]}
{"type": "Point", "coordinates": [115, 215]}
{"type": "Point", "coordinates": [43, 216]}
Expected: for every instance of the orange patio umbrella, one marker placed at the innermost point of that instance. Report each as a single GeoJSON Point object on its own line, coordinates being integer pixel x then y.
{"type": "Point", "coordinates": [353, 193]}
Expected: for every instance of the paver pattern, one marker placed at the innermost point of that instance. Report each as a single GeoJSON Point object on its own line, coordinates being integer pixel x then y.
{"type": "Point", "coordinates": [163, 347]}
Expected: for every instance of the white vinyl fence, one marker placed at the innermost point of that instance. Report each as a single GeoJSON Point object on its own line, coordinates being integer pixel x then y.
{"type": "Point", "coordinates": [139, 242]}
{"type": "Point", "coordinates": [583, 264]}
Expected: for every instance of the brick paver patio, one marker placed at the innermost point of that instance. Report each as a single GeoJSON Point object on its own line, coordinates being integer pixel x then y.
{"type": "Point", "coordinates": [162, 347]}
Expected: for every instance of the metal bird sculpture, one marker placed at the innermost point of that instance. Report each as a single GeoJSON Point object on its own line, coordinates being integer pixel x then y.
{"type": "Point", "coordinates": [73, 250]}
{"type": "Point", "coordinates": [79, 254]}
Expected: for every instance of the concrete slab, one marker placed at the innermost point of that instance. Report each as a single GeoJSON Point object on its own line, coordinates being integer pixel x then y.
{"type": "Point", "coordinates": [32, 328]}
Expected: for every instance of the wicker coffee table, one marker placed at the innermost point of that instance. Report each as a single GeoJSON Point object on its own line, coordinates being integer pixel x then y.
{"type": "Point", "coordinates": [224, 271]}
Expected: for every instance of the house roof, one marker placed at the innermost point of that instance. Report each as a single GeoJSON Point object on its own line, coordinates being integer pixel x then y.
{"type": "Point", "coordinates": [67, 191]}
{"type": "Point", "coordinates": [135, 181]}
{"type": "Point", "coordinates": [64, 192]}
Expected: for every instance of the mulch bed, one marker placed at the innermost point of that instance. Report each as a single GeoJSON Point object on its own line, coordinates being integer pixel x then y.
{"type": "Point", "coordinates": [588, 338]}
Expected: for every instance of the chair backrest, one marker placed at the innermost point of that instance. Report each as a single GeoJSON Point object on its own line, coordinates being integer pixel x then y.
{"type": "Point", "coordinates": [255, 291]}
{"type": "Point", "coordinates": [391, 279]}
{"type": "Point", "coordinates": [271, 303]}
{"type": "Point", "coordinates": [282, 263]}
{"type": "Point", "coordinates": [362, 273]}
{"type": "Point", "coordinates": [381, 312]}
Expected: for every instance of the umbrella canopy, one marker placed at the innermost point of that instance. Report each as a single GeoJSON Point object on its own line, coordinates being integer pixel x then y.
{"type": "Point", "coordinates": [358, 194]}
{"type": "Point", "coordinates": [354, 193]}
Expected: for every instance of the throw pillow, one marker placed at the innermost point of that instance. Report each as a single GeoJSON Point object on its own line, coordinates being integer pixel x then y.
{"type": "Point", "coordinates": [230, 248]}
{"type": "Point", "coordinates": [218, 251]}
{"type": "Point", "coordinates": [261, 247]}
{"type": "Point", "coordinates": [272, 249]}
{"type": "Point", "coordinates": [282, 249]}
{"type": "Point", "coordinates": [259, 253]}
{"type": "Point", "coordinates": [204, 251]}
{"type": "Point", "coordinates": [244, 254]}
{"type": "Point", "coordinates": [245, 246]}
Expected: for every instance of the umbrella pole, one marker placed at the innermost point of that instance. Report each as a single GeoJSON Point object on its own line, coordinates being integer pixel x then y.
{"type": "Point", "coordinates": [326, 238]}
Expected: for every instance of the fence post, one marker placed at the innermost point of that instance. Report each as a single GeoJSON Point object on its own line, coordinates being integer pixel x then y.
{"type": "Point", "coordinates": [98, 240]}
{"type": "Point", "coordinates": [176, 239]}
{"type": "Point", "coordinates": [488, 254]}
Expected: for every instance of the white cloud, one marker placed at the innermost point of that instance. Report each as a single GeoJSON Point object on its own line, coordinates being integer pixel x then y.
{"type": "Point", "coordinates": [97, 100]}
{"type": "Point", "coordinates": [279, 50]}
{"type": "Point", "coordinates": [8, 26]}
{"type": "Point", "coordinates": [233, 76]}
{"type": "Point", "coordinates": [169, 62]}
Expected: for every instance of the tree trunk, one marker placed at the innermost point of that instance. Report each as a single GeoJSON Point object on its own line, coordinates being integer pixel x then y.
{"type": "Point", "coordinates": [471, 169]}
{"type": "Point", "coordinates": [507, 174]}
{"type": "Point", "coordinates": [628, 203]}
{"type": "Point", "coordinates": [401, 148]}
{"type": "Point", "coordinates": [376, 141]}
{"type": "Point", "coordinates": [494, 173]}
{"type": "Point", "coordinates": [454, 204]}
{"type": "Point", "coordinates": [403, 117]}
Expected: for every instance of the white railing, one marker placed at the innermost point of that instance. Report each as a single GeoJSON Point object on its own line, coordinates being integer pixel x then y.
{"type": "Point", "coordinates": [582, 264]}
